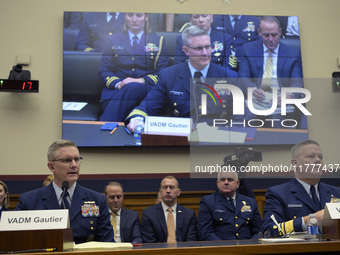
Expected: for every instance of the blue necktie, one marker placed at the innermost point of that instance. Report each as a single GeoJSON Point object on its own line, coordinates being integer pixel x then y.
{"type": "Point", "coordinates": [236, 20]}
{"type": "Point", "coordinates": [231, 201]}
{"type": "Point", "coordinates": [135, 44]}
{"type": "Point", "coordinates": [314, 196]}
{"type": "Point", "coordinates": [67, 205]}
{"type": "Point", "coordinates": [197, 76]}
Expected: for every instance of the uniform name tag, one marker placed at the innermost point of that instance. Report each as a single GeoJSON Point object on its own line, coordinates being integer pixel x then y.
{"type": "Point", "coordinates": [34, 220]}
{"type": "Point", "coordinates": [294, 205]}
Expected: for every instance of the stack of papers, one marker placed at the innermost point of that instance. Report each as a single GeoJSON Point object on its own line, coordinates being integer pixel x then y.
{"type": "Point", "coordinates": [282, 240]}
{"type": "Point", "coordinates": [101, 245]}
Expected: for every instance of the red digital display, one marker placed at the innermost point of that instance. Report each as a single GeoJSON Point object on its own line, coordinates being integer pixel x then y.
{"type": "Point", "coordinates": [19, 86]}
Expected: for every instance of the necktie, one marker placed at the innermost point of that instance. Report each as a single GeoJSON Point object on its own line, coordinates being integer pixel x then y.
{"type": "Point", "coordinates": [197, 76]}
{"type": "Point", "coordinates": [113, 14]}
{"type": "Point", "coordinates": [113, 222]}
{"type": "Point", "coordinates": [268, 73]}
{"type": "Point", "coordinates": [135, 44]}
{"type": "Point", "coordinates": [236, 20]}
{"type": "Point", "coordinates": [65, 201]}
{"type": "Point", "coordinates": [231, 201]}
{"type": "Point", "coordinates": [315, 197]}
{"type": "Point", "coordinates": [171, 227]}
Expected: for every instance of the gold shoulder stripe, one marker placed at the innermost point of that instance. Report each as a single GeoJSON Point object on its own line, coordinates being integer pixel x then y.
{"type": "Point", "coordinates": [110, 80]}
{"type": "Point", "coordinates": [137, 112]}
{"type": "Point", "coordinates": [154, 78]}
{"type": "Point", "coordinates": [186, 25]}
{"type": "Point", "coordinates": [159, 51]}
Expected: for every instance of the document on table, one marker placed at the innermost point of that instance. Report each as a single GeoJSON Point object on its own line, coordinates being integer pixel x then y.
{"type": "Point", "coordinates": [100, 245]}
{"type": "Point", "coordinates": [73, 106]}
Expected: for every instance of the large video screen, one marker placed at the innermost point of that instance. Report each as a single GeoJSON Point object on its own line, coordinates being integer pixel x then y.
{"type": "Point", "coordinates": [182, 79]}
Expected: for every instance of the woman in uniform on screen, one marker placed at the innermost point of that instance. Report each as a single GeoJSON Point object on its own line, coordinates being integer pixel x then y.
{"type": "Point", "coordinates": [129, 66]}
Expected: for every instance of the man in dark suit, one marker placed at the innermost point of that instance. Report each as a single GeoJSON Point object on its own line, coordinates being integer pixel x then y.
{"type": "Point", "coordinates": [172, 96]}
{"type": "Point", "coordinates": [267, 64]}
{"type": "Point", "coordinates": [96, 27]}
{"type": "Point", "coordinates": [169, 221]}
{"type": "Point", "coordinates": [216, 37]}
{"type": "Point", "coordinates": [292, 202]}
{"type": "Point", "coordinates": [64, 162]}
{"type": "Point", "coordinates": [226, 214]}
{"type": "Point", "coordinates": [125, 222]}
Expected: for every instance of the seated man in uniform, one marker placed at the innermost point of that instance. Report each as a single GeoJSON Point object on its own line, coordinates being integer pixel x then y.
{"type": "Point", "coordinates": [226, 214]}
{"type": "Point", "coordinates": [292, 202]}
{"type": "Point", "coordinates": [64, 162]}
{"type": "Point", "coordinates": [172, 96]}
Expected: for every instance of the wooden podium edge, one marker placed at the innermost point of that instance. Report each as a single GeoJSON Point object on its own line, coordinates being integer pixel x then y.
{"type": "Point", "coordinates": [26, 240]}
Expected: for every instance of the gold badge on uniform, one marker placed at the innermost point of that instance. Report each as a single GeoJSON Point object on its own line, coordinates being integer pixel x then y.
{"type": "Point", "coordinates": [245, 207]}
{"type": "Point", "coordinates": [233, 61]}
{"type": "Point", "coordinates": [250, 27]}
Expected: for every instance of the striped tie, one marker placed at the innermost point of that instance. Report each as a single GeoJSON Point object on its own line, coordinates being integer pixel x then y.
{"type": "Point", "coordinates": [113, 222]}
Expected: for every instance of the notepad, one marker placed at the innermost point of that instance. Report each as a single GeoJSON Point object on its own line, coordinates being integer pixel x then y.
{"type": "Point", "coordinates": [109, 126]}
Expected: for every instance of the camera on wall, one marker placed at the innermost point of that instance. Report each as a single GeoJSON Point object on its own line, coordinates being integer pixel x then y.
{"type": "Point", "coordinates": [242, 157]}
{"type": "Point", "coordinates": [18, 74]}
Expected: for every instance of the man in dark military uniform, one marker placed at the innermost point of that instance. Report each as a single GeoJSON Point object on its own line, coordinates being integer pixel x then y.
{"type": "Point", "coordinates": [226, 214]}
{"type": "Point", "coordinates": [172, 97]}
{"type": "Point", "coordinates": [238, 29]}
{"type": "Point", "coordinates": [129, 66]}
{"type": "Point", "coordinates": [204, 21]}
{"type": "Point", "coordinates": [96, 28]}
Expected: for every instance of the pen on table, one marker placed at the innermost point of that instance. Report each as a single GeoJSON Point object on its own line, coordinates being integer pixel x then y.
{"type": "Point", "coordinates": [27, 251]}
{"type": "Point", "coordinates": [127, 131]}
{"type": "Point", "coordinates": [113, 130]}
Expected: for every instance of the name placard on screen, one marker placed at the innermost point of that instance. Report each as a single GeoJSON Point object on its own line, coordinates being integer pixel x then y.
{"type": "Point", "coordinates": [167, 126]}
{"type": "Point", "coordinates": [34, 220]}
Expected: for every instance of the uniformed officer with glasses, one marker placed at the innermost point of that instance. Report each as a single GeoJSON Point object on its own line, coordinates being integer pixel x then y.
{"type": "Point", "coordinates": [88, 212]}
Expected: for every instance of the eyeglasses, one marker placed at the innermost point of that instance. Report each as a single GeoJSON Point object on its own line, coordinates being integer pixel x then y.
{"type": "Point", "coordinates": [69, 160]}
{"type": "Point", "coordinates": [200, 48]}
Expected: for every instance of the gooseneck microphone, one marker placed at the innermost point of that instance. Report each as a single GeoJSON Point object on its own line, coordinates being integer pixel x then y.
{"type": "Point", "coordinates": [64, 187]}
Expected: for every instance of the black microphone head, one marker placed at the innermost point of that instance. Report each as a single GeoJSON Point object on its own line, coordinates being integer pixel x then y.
{"type": "Point", "coordinates": [65, 185]}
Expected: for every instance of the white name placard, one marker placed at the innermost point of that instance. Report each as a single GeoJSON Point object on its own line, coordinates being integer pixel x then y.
{"type": "Point", "coordinates": [34, 220]}
{"type": "Point", "coordinates": [167, 126]}
{"type": "Point", "coordinates": [332, 211]}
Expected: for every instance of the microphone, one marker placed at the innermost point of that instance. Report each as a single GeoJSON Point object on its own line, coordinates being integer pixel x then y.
{"type": "Point", "coordinates": [64, 187]}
